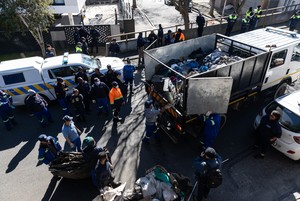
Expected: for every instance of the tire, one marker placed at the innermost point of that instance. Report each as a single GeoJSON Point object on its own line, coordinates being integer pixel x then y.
{"type": "Point", "coordinates": [45, 97]}
{"type": "Point", "coordinates": [280, 91]}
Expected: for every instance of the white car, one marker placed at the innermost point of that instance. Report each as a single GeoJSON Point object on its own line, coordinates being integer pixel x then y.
{"type": "Point", "coordinates": [289, 108]}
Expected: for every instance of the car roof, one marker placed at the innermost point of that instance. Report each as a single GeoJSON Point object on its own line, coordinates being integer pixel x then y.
{"type": "Point", "coordinates": [58, 60]}
{"type": "Point", "coordinates": [21, 64]}
{"type": "Point", "coordinates": [291, 102]}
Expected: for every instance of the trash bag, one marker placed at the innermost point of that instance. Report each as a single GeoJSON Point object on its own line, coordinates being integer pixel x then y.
{"type": "Point", "coordinates": [70, 165]}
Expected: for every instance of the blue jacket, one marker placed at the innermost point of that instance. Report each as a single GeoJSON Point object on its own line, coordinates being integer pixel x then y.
{"type": "Point", "coordinates": [212, 126]}
{"type": "Point", "coordinates": [5, 101]}
{"type": "Point", "coordinates": [48, 152]}
{"type": "Point", "coordinates": [128, 71]}
{"type": "Point", "coordinates": [201, 165]}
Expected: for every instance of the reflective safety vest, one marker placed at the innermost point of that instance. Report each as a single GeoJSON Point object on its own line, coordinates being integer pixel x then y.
{"type": "Point", "coordinates": [295, 17]}
{"type": "Point", "coordinates": [249, 13]}
{"type": "Point", "coordinates": [245, 21]}
{"type": "Point", "coordinates": [114, 95]}
{"type": "Point", "coordinates": [78, 49]}
{"type": "Point", "coordinates": [232, 18]}
{"type": "Point", "coordinates": [258, 12]}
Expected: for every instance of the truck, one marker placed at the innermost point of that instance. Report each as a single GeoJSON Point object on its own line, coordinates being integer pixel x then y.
{"type": "Point", "coordinates": [227, 71]}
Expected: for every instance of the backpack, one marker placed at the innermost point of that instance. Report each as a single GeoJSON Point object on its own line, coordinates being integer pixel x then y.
{"type": "Point", "coordinates": [214, 178]}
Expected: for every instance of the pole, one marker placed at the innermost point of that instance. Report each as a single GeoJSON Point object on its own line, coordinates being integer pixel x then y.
{"type": "Point", "coordinates": [223, 10]}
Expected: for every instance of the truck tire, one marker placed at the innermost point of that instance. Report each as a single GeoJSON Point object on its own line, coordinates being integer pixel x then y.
{"type": "Point", "coordinates": [280, 89]}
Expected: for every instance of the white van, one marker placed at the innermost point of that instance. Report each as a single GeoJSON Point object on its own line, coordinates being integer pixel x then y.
{"type": "Point", "coordinates": [19, 75]}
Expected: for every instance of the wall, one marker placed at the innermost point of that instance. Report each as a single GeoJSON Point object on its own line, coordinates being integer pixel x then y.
{"type": "Point", "coordinates": [130, 45]}
{"type": "Point", "coordinates": [71, 6]}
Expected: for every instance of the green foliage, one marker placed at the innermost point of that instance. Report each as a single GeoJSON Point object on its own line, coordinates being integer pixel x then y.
{"type": "Point", "coordinates": [26, 15]}
{"type": "Point", "coordinates": [20, 15]}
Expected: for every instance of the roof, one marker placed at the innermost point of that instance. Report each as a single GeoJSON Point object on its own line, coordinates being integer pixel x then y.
{"type": "Point", "coordinates": [260, 38]}
{"type": "Point", "coordinates": [291, 102]}
{"type": "Point", "coordinates": [21, 64]}
{"type": "Point", "coordinates": [58, 60]}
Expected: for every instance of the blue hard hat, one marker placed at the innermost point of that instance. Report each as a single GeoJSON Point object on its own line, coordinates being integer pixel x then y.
{"type": "Point", "coordinates": [43, 138]}
{"type": "Point", "coordinates": [148, 103]}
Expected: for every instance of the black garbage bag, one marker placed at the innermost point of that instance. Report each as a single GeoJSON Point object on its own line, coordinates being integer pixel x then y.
{"type": "Point", "coordinates": [70, 165]}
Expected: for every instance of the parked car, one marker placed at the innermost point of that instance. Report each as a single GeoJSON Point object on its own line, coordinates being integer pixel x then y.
{"type": "Point", "coordinates": [169, 2]}
{"type": "Point", "coordinates": [289, 108]}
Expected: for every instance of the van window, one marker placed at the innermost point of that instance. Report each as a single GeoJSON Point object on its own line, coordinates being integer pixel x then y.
{"type": "Point", "coordinates": [288, 120]}
{"type": "Point", "coordinates": [278, 58]}
{"type": "Point", "coordinates": [13, 78]}
{"type": "Point", "coordinates": [296, 53]}
{"type": "Point", "coordinates": [65, 71]}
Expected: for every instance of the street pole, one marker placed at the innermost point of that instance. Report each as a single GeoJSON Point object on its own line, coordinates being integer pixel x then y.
{"type": "Point", "coordinates": [134, 4]}
{"type": "Point", "coordinates": [223, 10]}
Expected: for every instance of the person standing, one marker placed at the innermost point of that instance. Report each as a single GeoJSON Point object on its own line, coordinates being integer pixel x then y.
{"type": "Point", "coordinates": [128, 74]}
{"type": "Point", "coordinates": [84, 46]}
{"type": "Point", "coordinates": [116, 100]}
{"type": "Point", "coordinates": [249, 12]}
{"type": "Point", "coordinates": [50, 51]}
{"type": "Point", "coordinates": [83, 32]}
{"type": "Point", "coordinates": [294, 21]}
{"type": "Point", "coordinates": [244, 24]}
{"type": "Point", "coordinates": [49, 149]}
{"type": "Point", "coordinates": [95, 34]}
{"type": "Point", "coordinates": [76, 36]}
{"type": "Point", "coordinates": [78, 47]}
{"type": "Point", "coordinates": [96, 74]}
{"type": "Point", "coordinates": [169, 38]}
{"type": "Point", "coordinates": [201, 22]}
{"type": "Point", "coordinates": [114, 48]}
{"type": "Point", "coordinates": [151, 115]}
{"type": "Point", "coordinates": [160, 35]}
{"type": "Point", "coordinates": [71, 133]}
{"type": "Point", "coordinates": [84, 89]}
{"type": "Point", "coordinates": [76, 100]}
{"type": "Point", "coordinates": [99, 94]}
{"type": "Point", "coordinates": [6, 110]}
{"type": "Point", "coordinates": [212, 124]}
{"type": "Point", "coordinates": [231, 20]}
{"type": "Point", "coordinates": [152, 38]}
{"type": "Point", "coordinates": [258, 11]}
{"type": "Point", "coordinates": [82, 74]}
{"type": "Point", "coordinates": [208, 161]}
{"type": "Point", "coordinates": [61, 95]}
{"type": "Point", "coordinates": [179, 36]}
{"type": "Point", "coordinates": [37, 106]}
{"type": "Point", "coordinates": [104, 175]}
{"type": "Point", "coordinates": [110, 76]}
{"type": "Point", "coordinates": [253, 22]}
{"type": "Point", "coordinates": [267, 133]}
{"type": "Point", "coordinates": [141, 42]}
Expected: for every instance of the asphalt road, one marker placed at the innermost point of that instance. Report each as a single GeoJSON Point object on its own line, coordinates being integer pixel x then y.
{"type": "Point", "coordinates": [245, 178]}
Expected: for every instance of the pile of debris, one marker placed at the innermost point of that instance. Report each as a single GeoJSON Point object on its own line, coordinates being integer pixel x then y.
{"type": "Point", "coordinates": [159, 184]}
{"type": "Point", "coordinates": [70, 165]}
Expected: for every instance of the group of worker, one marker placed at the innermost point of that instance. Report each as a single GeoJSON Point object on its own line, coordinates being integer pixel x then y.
{"type": "Point", "coordinates": [104, 90]}
{"type": "Point", "coordinates": [97, 158]}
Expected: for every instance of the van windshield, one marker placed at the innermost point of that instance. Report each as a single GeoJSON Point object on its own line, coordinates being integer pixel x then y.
{"type": "Point", "coordinates": [91, 62]}
{"type": "Point", "coordinates": [288, 120]}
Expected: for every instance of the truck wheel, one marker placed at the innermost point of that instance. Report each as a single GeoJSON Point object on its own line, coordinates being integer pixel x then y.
{"type": "Point", "coordinates": [280, 90]}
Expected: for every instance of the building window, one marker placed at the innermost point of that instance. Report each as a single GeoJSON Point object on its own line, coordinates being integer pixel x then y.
{"type": "Point", "coordinates": [13, 78]}
{"type": "Point", "coordinates": [58, 2]}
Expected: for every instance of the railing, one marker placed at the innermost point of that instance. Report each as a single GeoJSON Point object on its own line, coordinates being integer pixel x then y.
{"type": "Point", "coordinates": [209, 22]}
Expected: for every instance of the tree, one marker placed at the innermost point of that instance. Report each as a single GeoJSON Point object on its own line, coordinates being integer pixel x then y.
{"type": "Point", "coordinates": [212, 7]}
{"type": "Point", "coordinates": [31, 15]}
{"type": "Point", "coordinates": [182, 6]}
{"type": "Point", "coordinates": [238, 5]}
